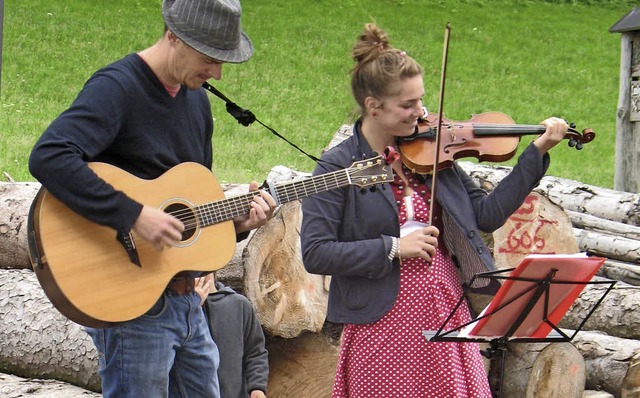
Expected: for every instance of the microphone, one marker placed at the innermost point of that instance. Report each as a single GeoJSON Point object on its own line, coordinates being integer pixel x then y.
{"type": "Point", "coordinates": [244, 116]}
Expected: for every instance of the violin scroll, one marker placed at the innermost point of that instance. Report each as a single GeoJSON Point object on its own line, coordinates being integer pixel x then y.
{"type": "Point", "coordinates": [577, 139]}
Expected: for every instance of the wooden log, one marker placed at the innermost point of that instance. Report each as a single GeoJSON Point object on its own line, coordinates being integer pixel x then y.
{"type": "Point", "coordinates": [15, 201]}
{"type": "Point", "coordinates": [559, 371]}
{"type": "Point", "coordinates": [607, 358]}
{"type": "Point", "coordinates": [617, 315]}
{"type": "Point", "coordinates": [13, 387]}
{"type": "Point", "coordinates": [631, 381]}
{"type": "Point", "coordinates": [39, 342]}
{"type": "Point", "coordinates": [303, 366]}
{"type": "Point", "coordinates": [603, 226]}
{"type": "Point", "coordinates": [288, 300]}
{"type": "Point", "coordinates": [619, 206]}
{"type": "Point", "coordinates": [590, 208]}
{"type": "Point", "coordinates": [517, 368]}
{"type": "Point", "coordinates": [609, 246]}
{"type": "Point", "coordinates": [596, 394]}
{"type": "Point", "coordinates": [620, 271]}
{"type": "Point", "coordinates": [538, 226]}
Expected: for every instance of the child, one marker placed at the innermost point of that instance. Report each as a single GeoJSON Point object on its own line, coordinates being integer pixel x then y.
{"type": "Point", "coordinates": [236, 330]}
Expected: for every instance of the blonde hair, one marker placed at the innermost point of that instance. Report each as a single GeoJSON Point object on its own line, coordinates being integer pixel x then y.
{"type": "Point", "coordinates": [378, 65]}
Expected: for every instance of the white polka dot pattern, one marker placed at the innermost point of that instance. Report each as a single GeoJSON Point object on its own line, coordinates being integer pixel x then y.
{"type": "Point", "coordinates": [391, 357]}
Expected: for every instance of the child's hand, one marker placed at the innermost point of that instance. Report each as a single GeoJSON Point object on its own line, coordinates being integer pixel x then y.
{"type": "Point", "coordinates": [257, 394]}
{"type": "Point", "coordinates": [203, 286]}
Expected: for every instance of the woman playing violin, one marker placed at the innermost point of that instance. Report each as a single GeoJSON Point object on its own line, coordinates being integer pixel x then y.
{"type": "Point", "coordinates": [394, 274]}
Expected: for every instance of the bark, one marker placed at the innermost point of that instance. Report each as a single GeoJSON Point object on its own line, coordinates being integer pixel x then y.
{"type": "Point", "coordinates": [603, 226]}
{"type": "Point", "coordinates": [610, 246]}
{"type": "Point", "coordinates": [631, 381]}
{"type": "Point", "coordinates": [15, 200]}
{"type": "Point", "coordinates": [517, 368]}
{"type": "Point", "coordinates": [607, 358]}
{"type": "Point", "coordinates": [617, 315]}
{"type": "Point", "coordinates": [14, 387]}
{"type": "Point", "coordinates": [36, 340]}
{"type": "Point", "coordinates": [621, 271]}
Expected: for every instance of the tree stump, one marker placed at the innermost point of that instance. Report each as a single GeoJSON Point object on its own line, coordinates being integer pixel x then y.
{"type": "Point", "coordinates": [303, 366]}
{"type": "Point", "coordinates": [287, 298]}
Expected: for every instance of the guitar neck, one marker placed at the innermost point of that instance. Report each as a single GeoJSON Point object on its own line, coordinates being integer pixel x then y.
{"type": "Point", "coordinates": [227, 209]}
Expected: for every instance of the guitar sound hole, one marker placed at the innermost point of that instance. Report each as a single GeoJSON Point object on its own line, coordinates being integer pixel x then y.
{"type": "Point", "coordinates": [187, 216]}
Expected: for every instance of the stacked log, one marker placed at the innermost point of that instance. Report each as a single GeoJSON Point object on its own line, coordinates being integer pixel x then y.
{"type": "Point", "coordinates": [36, 342]}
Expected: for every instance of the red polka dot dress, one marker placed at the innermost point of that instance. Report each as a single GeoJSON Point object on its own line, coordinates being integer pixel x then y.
{"type": "Point", "coordinates": [391, 357]}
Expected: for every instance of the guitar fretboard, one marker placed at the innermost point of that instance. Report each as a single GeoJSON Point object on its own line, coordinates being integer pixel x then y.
{"type": "Point", "coordinates": [227, 209]}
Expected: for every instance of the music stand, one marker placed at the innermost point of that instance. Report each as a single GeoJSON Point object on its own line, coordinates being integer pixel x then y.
{"type": "Point", "coordinates": [528, 306]}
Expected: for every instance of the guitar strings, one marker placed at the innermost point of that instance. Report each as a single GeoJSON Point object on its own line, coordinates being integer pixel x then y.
{"type": "Point", "coordinates": [229, 208]}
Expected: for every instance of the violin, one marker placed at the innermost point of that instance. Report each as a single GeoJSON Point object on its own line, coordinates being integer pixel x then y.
{"type": "Point", "coordinates": [490, 136]}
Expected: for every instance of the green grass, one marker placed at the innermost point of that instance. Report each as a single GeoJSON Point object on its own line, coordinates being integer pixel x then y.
{"type": "Point", "coordinates": [529, 59]}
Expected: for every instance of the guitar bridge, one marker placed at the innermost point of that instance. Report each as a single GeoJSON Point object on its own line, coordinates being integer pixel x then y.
{"type": "Point", "coordinates": [126, 240]}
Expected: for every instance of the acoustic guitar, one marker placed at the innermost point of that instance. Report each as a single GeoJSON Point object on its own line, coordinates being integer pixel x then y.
{"type": "Point", "coordinates": [97, 277]}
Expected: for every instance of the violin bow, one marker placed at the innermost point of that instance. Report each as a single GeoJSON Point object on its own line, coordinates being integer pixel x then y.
{"type": "Point", "coordinates": [434, 179]}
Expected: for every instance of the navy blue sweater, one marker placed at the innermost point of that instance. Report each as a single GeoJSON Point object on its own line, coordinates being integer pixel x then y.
{"type": "Point", "coordinates": [125, 117]}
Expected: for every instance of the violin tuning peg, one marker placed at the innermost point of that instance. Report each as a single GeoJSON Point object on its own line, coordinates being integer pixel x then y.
{"type": "Point", "coordinates": [572, 125]}
{"type": "Point", "coordinates": [579, 146]}
{"type": "Point", "coordinates": [572, 142]}
{"type": "Point", "coordinates": [373, 188]}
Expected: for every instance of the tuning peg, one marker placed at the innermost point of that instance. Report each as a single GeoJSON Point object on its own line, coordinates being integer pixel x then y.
{"type": "Point", "coordinates": [579, 146]}
{"type": "Point", "coordinates": [572, 125]}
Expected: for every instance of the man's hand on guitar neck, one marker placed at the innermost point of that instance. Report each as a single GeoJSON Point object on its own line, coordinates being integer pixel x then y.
{"type": "Point", "coordinates": [159, 228]}
{"type": "Point", "coordinates": [262, 208]}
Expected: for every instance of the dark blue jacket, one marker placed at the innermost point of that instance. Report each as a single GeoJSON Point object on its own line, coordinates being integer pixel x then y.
{"type": "Point", "coordinates": [346, 233]}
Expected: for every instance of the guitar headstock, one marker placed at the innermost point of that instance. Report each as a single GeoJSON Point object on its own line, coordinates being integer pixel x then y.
{"type": "Point", "coordinates": [370, 172]}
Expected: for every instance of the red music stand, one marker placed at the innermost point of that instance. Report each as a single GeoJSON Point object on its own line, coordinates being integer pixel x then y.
{"type": "Point", "coordinates": [528, 306]}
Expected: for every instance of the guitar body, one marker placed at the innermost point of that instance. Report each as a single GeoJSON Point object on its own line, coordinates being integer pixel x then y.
{"type": "Point", "coordinates": [88, 274]}
{"type": "Point", "coordinates": [98, 277]}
